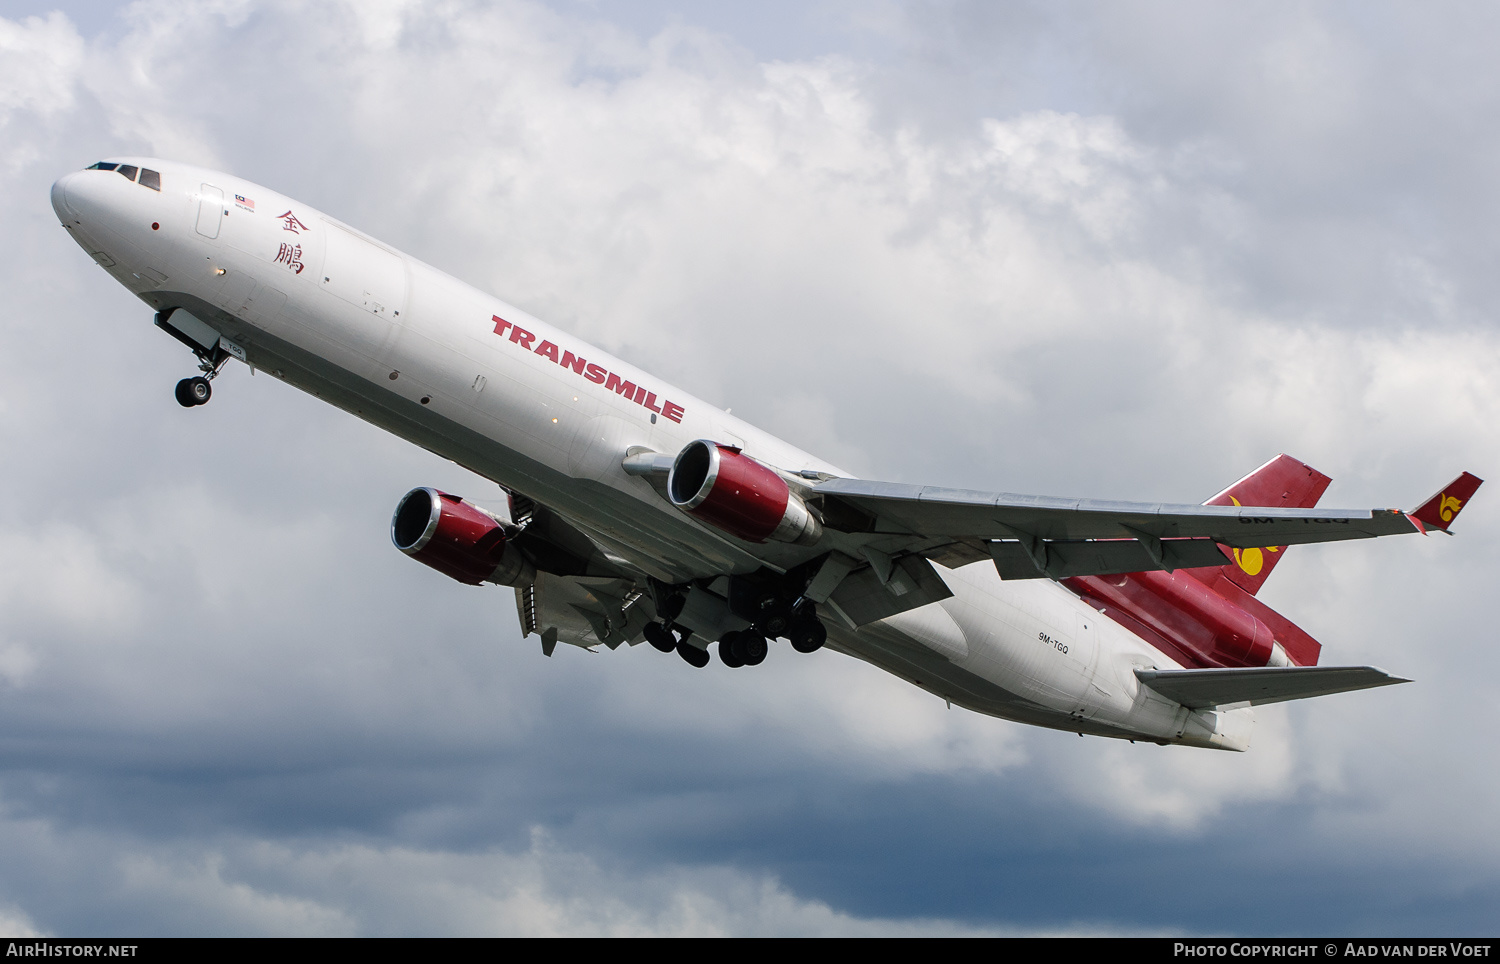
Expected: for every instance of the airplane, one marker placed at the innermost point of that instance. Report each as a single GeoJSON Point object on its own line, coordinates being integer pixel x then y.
{"type": "Point", "coordinates": [630, 511]}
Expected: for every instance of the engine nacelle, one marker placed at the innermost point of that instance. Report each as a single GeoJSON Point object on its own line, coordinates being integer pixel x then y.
{"type": "Point", "coordinates": [746, 498]}
{"type": "Point", "coordinates": [1189, 615]}
{"type": "Point", "coordinates": [457, 539]}
{"type": "Point", "coordinates": [1235, 637]}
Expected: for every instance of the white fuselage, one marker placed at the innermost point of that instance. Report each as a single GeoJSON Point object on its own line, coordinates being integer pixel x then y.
{"type": "Point", "coordinates": [313, 302]}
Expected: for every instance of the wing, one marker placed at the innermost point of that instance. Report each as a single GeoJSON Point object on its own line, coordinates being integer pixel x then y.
{"type": "Point", "coordinates": [1036, 536]}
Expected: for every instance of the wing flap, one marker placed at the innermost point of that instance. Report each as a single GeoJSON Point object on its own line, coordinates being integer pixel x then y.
{"type": "Point", "coordinates": [862, 597]}
{"type": "Point", "coordinates": [1204, 688]}
{"type": "Point", "coordinates": [582, 611]}
{"type": "Point", "coordinates": [1100, 557]}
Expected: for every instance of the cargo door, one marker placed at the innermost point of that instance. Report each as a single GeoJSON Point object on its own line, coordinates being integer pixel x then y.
{"type": "Point", "coordinates": [374, 280]}
{"type": "Point", "coordinates": [363, 273]}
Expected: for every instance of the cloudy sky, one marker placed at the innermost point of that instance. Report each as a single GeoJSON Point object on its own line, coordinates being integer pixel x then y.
{"type": "Point", "coordinates": [1122, 250]}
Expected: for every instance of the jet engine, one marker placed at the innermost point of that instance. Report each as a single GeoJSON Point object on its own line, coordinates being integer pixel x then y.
{"type": "Point", "coordinates": [728, 489]}
{"type": "Point", "coordinates": [458, 539]}
{"type": "Point", "coordinates": [1192, 615]}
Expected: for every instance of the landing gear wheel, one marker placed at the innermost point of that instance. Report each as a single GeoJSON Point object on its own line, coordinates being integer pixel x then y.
{"type": "Point", "coordinates": [809, 636]}
{"type": "Point", "coordinates": [773, 626]}
{"type": "Point", "coordinates": [193, 391]}
{"type": "Point", "coordinates": [752, 648]}
{"type": "Point", "coordinates": [695, 656]}
{"type": "Point", "coordinates": [660, 637]}
{"type": "Point", "coordinates": [730, 649]}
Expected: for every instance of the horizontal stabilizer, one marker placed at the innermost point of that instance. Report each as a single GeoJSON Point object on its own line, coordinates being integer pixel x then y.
{"type": "Point", "coordinates": [1201, 688]}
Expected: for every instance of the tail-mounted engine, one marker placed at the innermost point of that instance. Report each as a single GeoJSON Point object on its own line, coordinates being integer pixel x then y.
{"type": "Point", "coordinates": [458, 539]}
{"type": "Point", "coordinates": [1207, 628]}
{"type": "Point", "coordinates": [728, 489]}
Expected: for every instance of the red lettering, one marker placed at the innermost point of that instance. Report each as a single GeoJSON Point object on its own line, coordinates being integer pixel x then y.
{"type": "Point", "coordinates": [620, 386]}
{"type": "Point", "coordinates": [595, 373]}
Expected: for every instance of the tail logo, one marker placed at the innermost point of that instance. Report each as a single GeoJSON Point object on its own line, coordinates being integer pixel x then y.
{"type": "Point", "coordinates": [1251, 560]}
{"type": "Point", "coordinates": [1448, 507]}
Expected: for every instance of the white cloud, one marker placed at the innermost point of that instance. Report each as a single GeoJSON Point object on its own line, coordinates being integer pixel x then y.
{"type": "Point", "coordinates": [40, 58]}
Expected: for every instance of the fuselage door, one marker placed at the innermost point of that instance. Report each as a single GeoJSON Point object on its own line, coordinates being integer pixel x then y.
{"type": "Point", "coordinates": [210, 210]}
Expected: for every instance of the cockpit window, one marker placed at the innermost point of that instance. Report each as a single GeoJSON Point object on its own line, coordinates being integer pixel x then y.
{"type": "Point", "coordinates": [150, 178]}
{"type": "Point", "coordinates": [128, 171]}
{"type": "Point", "coordinates": [101, 166]}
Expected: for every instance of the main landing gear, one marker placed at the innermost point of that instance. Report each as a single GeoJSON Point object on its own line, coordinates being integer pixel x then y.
{"type": "Point", "coordinates": [766, 606]}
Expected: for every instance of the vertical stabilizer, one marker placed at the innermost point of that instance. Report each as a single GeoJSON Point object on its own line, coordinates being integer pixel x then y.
{"type": "Point", "coordinates": [1283, 483]}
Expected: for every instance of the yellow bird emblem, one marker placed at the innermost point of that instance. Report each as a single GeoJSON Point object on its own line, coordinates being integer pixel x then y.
{"type": "Point", "coordinates": [1251, 560]}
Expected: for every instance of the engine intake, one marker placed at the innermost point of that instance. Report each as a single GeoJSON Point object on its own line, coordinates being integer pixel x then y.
{"type": "Point", "coordinates": [744, 497]}
{"type": "Point", "coordinates": [457, 539]}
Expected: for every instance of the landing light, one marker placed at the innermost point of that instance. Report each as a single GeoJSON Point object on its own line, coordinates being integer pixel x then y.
{"type": "Point", "coordinates": [219, 271]}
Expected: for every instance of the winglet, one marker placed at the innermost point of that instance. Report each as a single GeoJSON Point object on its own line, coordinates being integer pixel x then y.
{"type": "Point", "coordinates": [1439, 511]}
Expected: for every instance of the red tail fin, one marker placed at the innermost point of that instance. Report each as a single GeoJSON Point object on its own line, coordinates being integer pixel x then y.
{"type": "Point", "coordinates": [1440, 510]}
{"type": "Point", "coordinates": [1282, 482]}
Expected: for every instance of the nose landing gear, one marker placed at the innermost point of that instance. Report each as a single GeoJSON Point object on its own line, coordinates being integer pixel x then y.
{"type": "Point", "coordinates": [193, 391]}
{"type": "Point", "coordinates": [207, 344]}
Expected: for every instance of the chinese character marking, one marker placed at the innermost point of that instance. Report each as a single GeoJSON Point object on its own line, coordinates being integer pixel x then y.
{"type": "Point", "coordinates": [290, 223]}
{"type": "Point", "coordinates": [291, 256]}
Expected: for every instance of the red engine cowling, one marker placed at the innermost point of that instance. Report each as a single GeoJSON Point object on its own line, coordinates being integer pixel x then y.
{"type": "Point", "coordinates": [730, 490]}
{"type": "Point", "coordinates": [457, 539]}
{"type": "Point", "coordinates": [1188, 614]}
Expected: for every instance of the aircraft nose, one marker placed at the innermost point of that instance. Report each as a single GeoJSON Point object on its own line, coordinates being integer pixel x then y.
{"type": "Point", "coordinates": [60, 197]}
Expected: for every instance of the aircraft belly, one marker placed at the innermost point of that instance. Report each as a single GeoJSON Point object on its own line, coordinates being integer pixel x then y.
{"type": "Point", "coordinates": [1049, 654]}
{"type": "Point", "coordinates": [903, 657]}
